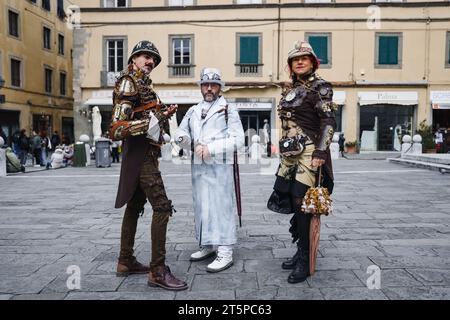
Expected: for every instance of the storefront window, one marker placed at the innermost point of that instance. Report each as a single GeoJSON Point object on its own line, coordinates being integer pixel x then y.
{"type": "Point", "coordinates": [388, 123]}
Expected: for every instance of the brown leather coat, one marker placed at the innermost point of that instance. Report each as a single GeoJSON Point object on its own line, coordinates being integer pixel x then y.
{"type": "Point", "coordinates": [132, 89]}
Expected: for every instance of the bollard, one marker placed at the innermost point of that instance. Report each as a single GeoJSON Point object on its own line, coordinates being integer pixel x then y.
{"type": "Point", "coordinates": [406, 145]}
{"type": "Point", "coordinates": [417, 144]}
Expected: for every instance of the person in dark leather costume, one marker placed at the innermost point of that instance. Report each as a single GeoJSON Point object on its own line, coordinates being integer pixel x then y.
{"type": "Point", "coordinates": [141, 129]}
{"type": "Point", "coordinates": [307, 118]}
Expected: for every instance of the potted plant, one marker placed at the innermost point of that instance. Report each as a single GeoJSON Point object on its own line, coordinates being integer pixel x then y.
{"type": "Point", "coordinates": [351, 146]}
{"type": "Point", "coordinates": [426, 132]}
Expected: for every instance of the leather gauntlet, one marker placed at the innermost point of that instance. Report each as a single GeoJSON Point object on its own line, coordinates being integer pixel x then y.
{"type": "Point", "coordinates": [326, 137]}
{"type": "Point", "coordinates": [122, 129]}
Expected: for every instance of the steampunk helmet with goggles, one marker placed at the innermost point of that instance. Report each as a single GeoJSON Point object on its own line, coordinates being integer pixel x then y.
{"type": "Point", "coordinates": [145, 46]}
{"type": "Point", "coordinates": [211, 75]}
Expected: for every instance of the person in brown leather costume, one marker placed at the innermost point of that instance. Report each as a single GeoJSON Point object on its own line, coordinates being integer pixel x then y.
{"type": "Point", "coordinates": [141, 130]}
{"type": "Point", "coordinates": [307, 118]}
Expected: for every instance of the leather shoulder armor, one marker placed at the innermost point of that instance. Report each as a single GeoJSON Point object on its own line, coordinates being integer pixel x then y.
{"type": "Point", "coordinates": [126, 86]}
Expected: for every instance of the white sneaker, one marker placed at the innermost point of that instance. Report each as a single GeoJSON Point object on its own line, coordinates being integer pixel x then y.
{"type": "Point", "coordinates": [221, 263]}
{"type": "Point", "coordinates": [202, 254]}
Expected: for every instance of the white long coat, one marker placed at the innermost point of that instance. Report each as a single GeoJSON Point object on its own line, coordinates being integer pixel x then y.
{"type": "Point", "coordinates": [212, 180]}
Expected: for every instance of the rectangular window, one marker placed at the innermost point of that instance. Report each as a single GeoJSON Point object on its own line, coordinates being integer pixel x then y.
{"type": "Point", "coordinates": [46, 5]}
{"type": "Point", "coordinates": [115, 3]}
{"type": "Point", "coordinates": [181, 51]}
{"type": "Point", "coordinates": [388, 50]}
{"type": "Point", "coordinates": [60, 44]}
{"type": "Point", "coordinates": [13, 22]}
{"type": "Point", "coordinates": [60, 10]}
{"type": "Point", "coordinates": [174, 3]}
{"type": "Point", "coordinates": [47, 33]}
{"type": "Point", "coordinates": [249, 54]}
{"type": "Point", "coordinates": [48, 80]}
{"type": "Point", "coordinates": [181, 56]}
{"type": "Point", "coordinates": [115, 52]}
{"type": "Point", "coordinates": [447, 50]}
{"type": "Point", "coordinates": [321, 44]}
{"type": "Point", "coordinates": [62, 83]}
{"type": "Point", "coordinates": [16, 73]}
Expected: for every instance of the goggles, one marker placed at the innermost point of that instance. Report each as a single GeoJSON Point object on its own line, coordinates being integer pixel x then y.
{"type": "Point", "coordinates": [210, 76]}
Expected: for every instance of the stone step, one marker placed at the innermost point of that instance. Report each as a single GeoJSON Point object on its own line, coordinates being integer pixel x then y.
{"type": "Point", "coordinates": [422, 164]}
{"type": "Point", "coordinates": [432, 158]}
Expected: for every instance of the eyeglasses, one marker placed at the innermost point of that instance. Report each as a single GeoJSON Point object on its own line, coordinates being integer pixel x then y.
{"type": "Point", "coordinates": [210, 76]}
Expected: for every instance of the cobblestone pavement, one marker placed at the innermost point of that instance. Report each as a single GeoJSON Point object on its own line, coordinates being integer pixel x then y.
{"type": "Point", "coordinates": [394, 217]}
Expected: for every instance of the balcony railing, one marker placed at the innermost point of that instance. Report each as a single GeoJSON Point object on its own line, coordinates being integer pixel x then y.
{"type": "Point", "coordinates": [185, 70]}
{"type": "Point", "coordinates": [249, 69]}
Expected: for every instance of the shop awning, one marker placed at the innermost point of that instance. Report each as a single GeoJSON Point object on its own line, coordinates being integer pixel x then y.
{"type": "Point", "coordinates": [406, 98]}
{"type": "Point", "coordinates": [104, 97]}
{"type": "Point", "coordinates": [440, 99]}
{"type": "Point", "coordinates": [252, 106]}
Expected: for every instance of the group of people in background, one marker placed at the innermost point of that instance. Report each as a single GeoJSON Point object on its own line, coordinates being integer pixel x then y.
{"type": "Point", "coordinates": [50, 152]}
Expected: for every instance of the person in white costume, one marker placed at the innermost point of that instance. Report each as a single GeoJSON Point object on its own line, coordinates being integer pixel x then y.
{"type": "Point", "coordinates": [213, 131]}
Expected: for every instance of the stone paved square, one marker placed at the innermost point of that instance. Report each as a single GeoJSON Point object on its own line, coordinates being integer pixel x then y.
{"type": "Point", "coordinates": [394, 217]}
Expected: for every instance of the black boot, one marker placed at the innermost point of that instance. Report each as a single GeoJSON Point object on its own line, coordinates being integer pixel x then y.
{"type": "Point", "coordinates": [289, 264]}
{"type": "Point", "coordinates": [301, 269]}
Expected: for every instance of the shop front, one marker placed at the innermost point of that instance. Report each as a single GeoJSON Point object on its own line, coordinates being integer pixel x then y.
{"type": "Point", "coordinates": [9, 124]}
{"type": "Point", "coordinates": [440, 104]}
{"type": "Point", "coordinates": [339, 99]}
{"type": "Point", "coordinates": [385, 117]}
{"type": "Point", "coordinates": [257, 118]}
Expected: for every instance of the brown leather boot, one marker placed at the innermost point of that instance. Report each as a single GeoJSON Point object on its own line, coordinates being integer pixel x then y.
{"type": "Point", "coordinates": [129, 266]}
{"type": "Point", "coordinates": [162, 277]}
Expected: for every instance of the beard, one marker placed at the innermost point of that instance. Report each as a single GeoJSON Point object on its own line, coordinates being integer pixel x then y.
{"type": "Point", "coordinates": [209, 96]}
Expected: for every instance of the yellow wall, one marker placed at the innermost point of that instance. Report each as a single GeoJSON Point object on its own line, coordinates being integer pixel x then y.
{"type": "Point", "coordinates": [352, 46]}
{"type": "Point", "coordinates": [30, 98]}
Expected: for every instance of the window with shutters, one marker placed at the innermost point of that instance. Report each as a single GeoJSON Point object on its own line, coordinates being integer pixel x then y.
{"type": "Point", "coordinates": [388, 50]}
{"type": "Point", "coordinates": [249, 60]}
{"type": "Point", "coordinates": [321, 44]}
